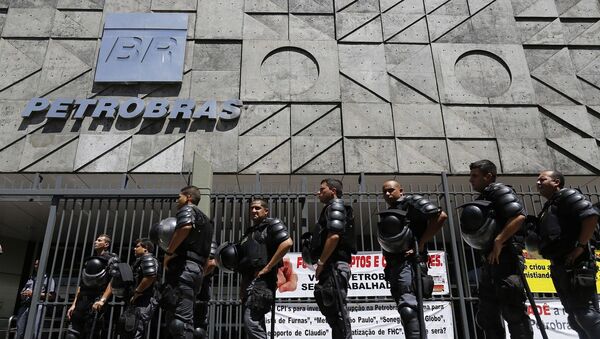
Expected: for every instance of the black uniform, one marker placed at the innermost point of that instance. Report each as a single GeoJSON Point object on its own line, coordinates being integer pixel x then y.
{"type": "Point", "coordinates": [501, 290]}
{"type": "Point", "coordinates": [145, 304]}
{"type": "Point", "coordinates": [258, 246]}
{"type": "Point", "coordinates": [331, 294]}
{"type": "Point", "coordinates": [414, 211]}
{"type": "Point", "coordinates": [184, 275]}
{"type": "Point", "coordinates": [560, 225]}
{"type": "Point", "coordinates": [95, 277]}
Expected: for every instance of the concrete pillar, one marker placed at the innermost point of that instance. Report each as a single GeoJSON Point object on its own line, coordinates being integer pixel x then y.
{"type": "Point", "coordinates": [202, 177]}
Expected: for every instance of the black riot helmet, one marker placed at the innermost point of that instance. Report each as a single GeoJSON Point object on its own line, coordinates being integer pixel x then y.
{"type": "Point", "coordinates": [95, 272]}
{"type": "Point", "coordinates": [161, 232]}
{"type": "Point", "coordinates": [477, 223]}
{"type": "Point", "coordinates": [213, 249]}
{"type": "Point", "coordinates": [394, 234]}
{"type": "Point", "coordinates": [227, 257]}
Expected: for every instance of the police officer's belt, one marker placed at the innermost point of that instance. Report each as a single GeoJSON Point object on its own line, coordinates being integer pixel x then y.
{"type": "Point", "coordinates": [195, 257]}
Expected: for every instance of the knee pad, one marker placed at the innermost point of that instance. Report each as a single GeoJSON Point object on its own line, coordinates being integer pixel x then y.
{"type": "Point", "coordinates": [72, 334]}
{"type": "Point", "coordinates": [407, 314]}
{"type": "Point", "coordinates": [176, 328]}
{"type": "Point", "coordinates": [587, 318]}
{"type": "Point", "coordinates": [200, 333]}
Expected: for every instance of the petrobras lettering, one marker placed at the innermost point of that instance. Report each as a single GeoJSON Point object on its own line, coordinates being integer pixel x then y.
{"type": "Point", "coordinates": [133, 108]}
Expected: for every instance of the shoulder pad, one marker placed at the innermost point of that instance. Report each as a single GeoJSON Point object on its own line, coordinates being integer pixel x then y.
{"type": "Point", "coordinates": [423, 205]}
{"type": "Point", "coordinates": [574, 203]}
{"type": "Point", "coordinates": [185, 216]}
{"type": "Point", "coordinates": [149, 265]}
{"type": "Point", "coordinates": [504, 199]}
{"type": "Point", "coordinates": [113, 258]}
{"type": "Point", "coordinates": [277, 232]}
{"type": "Point", "coordinates": [336, 216]}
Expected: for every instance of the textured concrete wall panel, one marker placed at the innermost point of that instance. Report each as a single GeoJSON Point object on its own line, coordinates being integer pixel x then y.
{"type": "Point", "coordinates": [464, 152]}
{"type": "Point", "coordinates": [220, 19]}
{"type": "Point", "coordinates": [370, 155]}
{"type": "Point", "coordinates": [365, 120]}
{"type": "Point", "coordinates": [418, 120]}
{"type": "Point", "coordinates": [422, 156]}
{"type": "Point", "coordinates": [344, 86]}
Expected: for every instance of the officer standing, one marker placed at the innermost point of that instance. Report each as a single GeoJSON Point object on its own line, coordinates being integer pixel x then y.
{"type": "Point", "coordinates": [501, 290]}
{"type": "Point", "coordinates": [47, 293]}
{"type": "Point", "coordinates": [567, 223]}
{"type": "Point", "coordinates": [333, 243]}
{"type": "Point", "coordinates": [86, 312]}
{"type": "Point", "coordinates": [409, 218]}
{"type": "Point", "coordinates": [203, 298]}
{"type": "Point", "coordinates": [184, 261]}
{"type": "Point", "coordinates": [262, 248]}
{"type": "Point", "coordinates": [145, 270]}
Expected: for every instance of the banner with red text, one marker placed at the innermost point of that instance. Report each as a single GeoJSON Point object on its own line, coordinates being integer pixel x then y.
{"type": "Point", "coordinates": [368, 320]}
{"type": "Point", "coordinates": [554, 317]}
{"type": "Point", "coordinates": [296, 280]}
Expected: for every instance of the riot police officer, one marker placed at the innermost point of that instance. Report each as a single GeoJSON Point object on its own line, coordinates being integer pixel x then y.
{"type": "Point", "coordinates": [501, 289]}
{"type": "Point", "coordinates": [409, 219]}
{"type": "Point", "coordinates": [331, 246]}
{"type": "Point", "coordinates": [566, 225]}
{"type": "Point", "coordinates": [145, 270]}
{"type": "Point", "coordinates": [86, 312]}
{"type": "Point", "coordinates": [185, 257]}
{"type": "Point", "coordinates": [203, 298]}
{"type": "Point", "coordinates": [262, 248]}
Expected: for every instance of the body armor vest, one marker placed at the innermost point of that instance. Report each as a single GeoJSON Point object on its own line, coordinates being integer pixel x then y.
{"type": "Point", "coordinates": [196, 246]}
{"type": "Point", "coordinates": [253, 247]}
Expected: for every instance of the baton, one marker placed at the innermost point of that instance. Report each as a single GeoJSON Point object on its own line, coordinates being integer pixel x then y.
{"type": "Point", "coordinates": [273, 316]}
{"type": "Point", "coordinates": [340, 301]}
{"type": "Point", "coordinates": [420, 311]}
{"type": "Point", "coordinates": [538, 318]}
{"type": "Point", "coordinates": [93, 329]}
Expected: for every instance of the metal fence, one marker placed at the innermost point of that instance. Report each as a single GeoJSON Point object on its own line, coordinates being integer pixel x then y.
{"type": "Point", "coordinates": [78, 216]}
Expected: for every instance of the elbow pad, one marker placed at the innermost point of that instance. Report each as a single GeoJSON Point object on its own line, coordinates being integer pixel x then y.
{"type": "Point", "coordinates": [185, 216]}
{"type": "Point", "coordinates": [149, 266]}
{"type": "Point", "coordinates": [573, 203]}
{"type": "Point", "coordinates": [277, 232]}
{"type": "Point", "coordinates": [336, 216]}
{"type": "Point", "coordinates": [504, 199]}
{"type": "Point", "coordinates": [423, 205]}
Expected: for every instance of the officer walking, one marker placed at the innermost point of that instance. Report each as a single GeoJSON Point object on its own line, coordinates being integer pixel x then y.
{"type": "Point", "coordinates": [333, 244]}
{"type": "Point", "coordinates": [86, 312]}
{"type": "Point", "coordinates": [184, 260]}
{"type": "Point", "coordinates": [145, 270]}
{"type": "Point", "coordinates": [501, 290]}
{"type": "Point", "coordinates": [203, 298]}
{"type": "Point", "coordinates": [567, 222]}
{"type": "Point", "coordinates": [409, 218]}
{"type": "Point", "coordinates": [262, 248]}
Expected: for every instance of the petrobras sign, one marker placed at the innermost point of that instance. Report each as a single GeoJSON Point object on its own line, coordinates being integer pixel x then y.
{"type": "Point", "coordinates": [132, 108]}
{"type": "Point", "coordinates": [142, 47]}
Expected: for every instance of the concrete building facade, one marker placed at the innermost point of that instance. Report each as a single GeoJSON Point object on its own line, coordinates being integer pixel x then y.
{"type": "Point", "coordinates": [375, 86]}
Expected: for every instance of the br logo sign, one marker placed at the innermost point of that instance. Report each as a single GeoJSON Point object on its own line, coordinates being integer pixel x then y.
{"type": "Point", "coordinates": [142, 47]}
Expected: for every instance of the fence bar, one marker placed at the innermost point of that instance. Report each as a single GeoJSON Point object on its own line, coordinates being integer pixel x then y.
{"type": "Point", "coordinates": [39, 279]}
{"type": "Point", "coordinates": [457, 271]}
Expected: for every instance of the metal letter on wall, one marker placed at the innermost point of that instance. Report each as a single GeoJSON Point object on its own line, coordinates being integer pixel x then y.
{"type": "Point", "coordinates": [142, 47]}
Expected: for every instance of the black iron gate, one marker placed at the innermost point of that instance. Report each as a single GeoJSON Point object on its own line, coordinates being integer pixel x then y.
{"type": "Point", "coordinates": [78, 216]}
